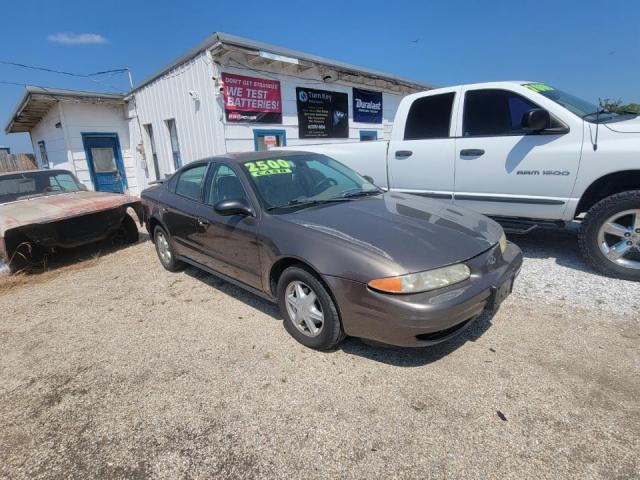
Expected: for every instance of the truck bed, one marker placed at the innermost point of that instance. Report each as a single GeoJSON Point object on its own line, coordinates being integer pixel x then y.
{"type": "Point", "coordinates": [366, 158]}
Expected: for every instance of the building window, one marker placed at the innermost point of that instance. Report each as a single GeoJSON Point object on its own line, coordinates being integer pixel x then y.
{"type": "Point", "coordinates": [429, 117]}
{"type": "Point", "coordinates": [266, 139]}
{"type": "Point", "coordinates": [154, 155]}
{"type": "Point", "coordinates": [368, 135]}
{"type": "Point", "coordinates": [175, 145]}
{"type": "Point", "coordinates": [43, 154]}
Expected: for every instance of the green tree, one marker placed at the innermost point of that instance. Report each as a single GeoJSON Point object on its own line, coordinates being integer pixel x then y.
{"type": "Point", "coordinates": [617, 106]}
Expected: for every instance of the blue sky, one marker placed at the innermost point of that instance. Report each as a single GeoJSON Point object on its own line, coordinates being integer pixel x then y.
{"type": "Point", "coordinates": [589, 47]}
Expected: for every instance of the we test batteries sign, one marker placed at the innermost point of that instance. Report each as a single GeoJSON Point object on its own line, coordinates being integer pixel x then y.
{"type": "Point", "coordinates": [251, 100]}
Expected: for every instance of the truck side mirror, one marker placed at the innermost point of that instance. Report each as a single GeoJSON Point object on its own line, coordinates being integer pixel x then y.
{"type": "Point", "coordinates": [535, 120]}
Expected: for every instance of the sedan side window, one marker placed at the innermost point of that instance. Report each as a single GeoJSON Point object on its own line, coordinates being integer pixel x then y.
{"type": "Point", "coordinates": [225, 185]}
{"type": "Point", "coordinates": [190, 182]}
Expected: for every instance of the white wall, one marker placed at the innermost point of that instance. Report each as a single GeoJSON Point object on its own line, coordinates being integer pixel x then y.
{"type": "Point", "coordinates": [239, 137]}
{"type": "Point", "coordinates": [201, 127]}
{"type": "Point", "coordinates": [79, 118]}
{"type": "Point", "coordinates": [168, 97]}
{"type": "Point", "coordinates": [54, 140]}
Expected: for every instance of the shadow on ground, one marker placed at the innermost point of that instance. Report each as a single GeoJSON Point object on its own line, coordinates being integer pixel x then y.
{"type": "Point", "coordinates": [560, 245]}
{"type": "Point", "coordinates": [76, 257]}
{"type": "Point", "coordinates": [388, 354]}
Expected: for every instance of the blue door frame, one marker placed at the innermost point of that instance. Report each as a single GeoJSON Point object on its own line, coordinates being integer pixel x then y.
{"type": "Point", "coordinates": [261, 133]}
{"type": "Point", "coordinates": [112, 181]}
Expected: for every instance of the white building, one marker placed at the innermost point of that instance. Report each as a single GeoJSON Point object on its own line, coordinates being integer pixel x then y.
{"type": "Point", "coordinates": [227, 94]}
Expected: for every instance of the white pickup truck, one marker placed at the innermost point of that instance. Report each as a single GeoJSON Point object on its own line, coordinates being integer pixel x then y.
{"type": "Point", "coordinates": [525, 153]}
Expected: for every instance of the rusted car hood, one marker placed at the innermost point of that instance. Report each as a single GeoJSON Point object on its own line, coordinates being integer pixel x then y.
{"type": "Point", "coordinates": [57, 207]}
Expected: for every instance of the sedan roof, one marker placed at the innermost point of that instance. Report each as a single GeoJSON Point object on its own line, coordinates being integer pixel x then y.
{"type": "Point", "coordinates": [254, 156]}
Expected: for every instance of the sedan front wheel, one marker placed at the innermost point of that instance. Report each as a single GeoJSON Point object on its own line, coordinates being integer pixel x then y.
{"type": "Point", "coordinates": [310, 314]}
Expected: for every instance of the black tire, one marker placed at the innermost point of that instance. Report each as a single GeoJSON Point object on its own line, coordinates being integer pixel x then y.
{"type": "Point", "coordinates": [129, 229]}
{"type": "Point", "coordinates": [331, 332]}
{"type": "Point", "coordinates": [171, 264]}
{"type": "Point", "coordinates": [593, 221]}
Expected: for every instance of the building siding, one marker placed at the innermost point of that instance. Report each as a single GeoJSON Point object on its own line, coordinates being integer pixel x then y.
{"type": "Point", "coordinates": [54, 141]}
{"type": "Point", "coordinates": [168, 97]}
{"type": "Point", "coordinates": [202, 129]}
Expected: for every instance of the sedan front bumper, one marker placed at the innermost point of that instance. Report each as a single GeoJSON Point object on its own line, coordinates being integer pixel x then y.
{"type": "Point", "coordinates": [427, 318]}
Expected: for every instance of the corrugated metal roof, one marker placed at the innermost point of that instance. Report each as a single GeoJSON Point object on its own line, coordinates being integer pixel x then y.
{"type": "Point", "coordinates": [227, 39]}
{"type": "Point", "coordinates": [37, 101]}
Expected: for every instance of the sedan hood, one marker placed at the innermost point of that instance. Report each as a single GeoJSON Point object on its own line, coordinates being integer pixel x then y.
{"type": "Point", "coordinates": [412, 232]}
{"type": "Point", "coordinates": [56, 207]}
{"type": "Point", "coordinates": [625, 124]}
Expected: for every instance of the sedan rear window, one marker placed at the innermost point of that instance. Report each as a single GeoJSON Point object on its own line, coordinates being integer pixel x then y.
{"type": "Point", "coordinates": [190, 182]}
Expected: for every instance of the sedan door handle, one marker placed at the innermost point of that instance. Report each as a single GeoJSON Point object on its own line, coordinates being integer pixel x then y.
{"type": "Point", "coordinates": [472, 152]}
{"type": "Point", "coordinates": [404, 153]}
{"type": "Point", "coordinates": [202, 222]}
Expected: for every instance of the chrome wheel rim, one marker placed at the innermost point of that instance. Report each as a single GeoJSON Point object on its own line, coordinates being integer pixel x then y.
{"type": "Point", "coordinates": [304, 308]}
{"type": "Point", "coordinates": [164, 251]}
{"type": "Point", "coordinates": [619, 239]}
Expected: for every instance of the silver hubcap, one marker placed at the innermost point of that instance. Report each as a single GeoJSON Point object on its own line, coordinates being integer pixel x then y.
{"type": "Point", "coordinates": [163, 248]}
{"type": "Point", "coordinates": [619, 238]}
{"type": "Point", "coordinates": [304, 309]}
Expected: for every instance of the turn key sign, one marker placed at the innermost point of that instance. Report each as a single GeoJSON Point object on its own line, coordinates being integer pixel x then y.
{"type": "Point", "coordinates": [251, 99]}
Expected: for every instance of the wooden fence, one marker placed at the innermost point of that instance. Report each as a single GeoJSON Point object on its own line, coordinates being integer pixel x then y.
{"type": "Point", "coordinates": [15, 163]}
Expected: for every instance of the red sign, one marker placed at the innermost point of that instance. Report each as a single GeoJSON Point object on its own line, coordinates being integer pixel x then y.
{"type": "Point", "coordinates": [252, 100]}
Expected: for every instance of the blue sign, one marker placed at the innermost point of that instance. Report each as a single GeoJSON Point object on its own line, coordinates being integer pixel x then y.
{"type": "Point", "coordinates": [367, 106]}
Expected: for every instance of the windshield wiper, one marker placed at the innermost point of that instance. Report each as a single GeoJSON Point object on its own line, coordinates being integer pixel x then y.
{"type": "Point", "coordinates": [360, 193]}
{"type": "Point", "coordinates": [599, 112]}
{"type": "Point", "coordinates": [306, 203]}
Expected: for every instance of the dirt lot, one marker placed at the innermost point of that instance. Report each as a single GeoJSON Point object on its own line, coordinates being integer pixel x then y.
{"type": "Point", "coordinates": [114, 368]}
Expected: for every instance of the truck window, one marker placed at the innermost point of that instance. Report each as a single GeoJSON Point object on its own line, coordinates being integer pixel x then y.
{"type": "Point", "coordinates": [494, 112]}
{"type": "Point", "coordinates": [429, 117]}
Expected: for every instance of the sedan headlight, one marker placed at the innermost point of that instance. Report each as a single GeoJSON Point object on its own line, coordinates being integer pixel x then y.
{"type": "Point", "coordinates": [503, 242]}
{"type": "Point", "coordinates": [422, 281]}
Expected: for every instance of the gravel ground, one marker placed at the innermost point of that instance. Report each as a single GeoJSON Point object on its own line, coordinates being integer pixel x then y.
{"type": "Point", "coordinates": [114, 368]}
{"type": "Point", "coordinates": [554, 272]}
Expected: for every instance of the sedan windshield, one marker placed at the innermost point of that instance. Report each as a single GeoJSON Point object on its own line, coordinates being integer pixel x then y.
{"type": "Point", "coordinates": [582, 108]}
{"type": "Point", "coordinates": [303, 180]}
{"type": "Point", "coordinates": [18, 186]}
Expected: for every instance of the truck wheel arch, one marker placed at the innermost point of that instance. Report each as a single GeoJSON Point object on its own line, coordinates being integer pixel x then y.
{"type": "Point", "coordinates": [607, 185]}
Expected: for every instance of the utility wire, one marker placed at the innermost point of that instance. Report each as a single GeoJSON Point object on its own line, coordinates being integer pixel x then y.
{"type": "Point", "coordinates": [62, 72]}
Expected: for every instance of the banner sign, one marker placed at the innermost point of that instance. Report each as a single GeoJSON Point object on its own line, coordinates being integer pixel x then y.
{"type": "Point", "coordinates": [251, 100]}
{"type": "Point", "coordinates": [322, 114]}
{"type": "Point", "coordinates": [367, 106]}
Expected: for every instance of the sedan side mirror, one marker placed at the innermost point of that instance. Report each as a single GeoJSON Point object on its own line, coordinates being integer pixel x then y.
{"type": "Point", "coordinates": [235, 206]}
{"type": "Point", "coordinates": [368, 179]}
{"type": "Point", "coordinates": [83, 187]}
{"type": "Point", "coordinates": [535, 120]}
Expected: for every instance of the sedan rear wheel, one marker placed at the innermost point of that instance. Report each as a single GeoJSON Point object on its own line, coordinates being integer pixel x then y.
{"type": "Point", "coordinates": [165, 250]}
{"type": "Point", "coordinates": [310, 314]}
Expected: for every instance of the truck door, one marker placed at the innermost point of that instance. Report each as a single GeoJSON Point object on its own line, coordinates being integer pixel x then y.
{"type": "Point", "coordinates": [421, 151]}
{"type": "Point", "coordinates": [503, 170]}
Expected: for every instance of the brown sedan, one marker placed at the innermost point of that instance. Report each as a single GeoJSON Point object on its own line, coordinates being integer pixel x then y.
{"type": "Point", "coordinates": [339, 255]}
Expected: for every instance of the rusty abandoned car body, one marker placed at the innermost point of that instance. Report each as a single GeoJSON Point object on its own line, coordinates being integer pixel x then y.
{"type": "Point", "coordinates": [339, 255]}
{"type": "Point", "coordinates": [43, 210]}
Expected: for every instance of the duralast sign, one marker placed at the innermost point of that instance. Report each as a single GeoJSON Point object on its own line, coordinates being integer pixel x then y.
{"type": "Point", "coordinates": [367, 106]}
